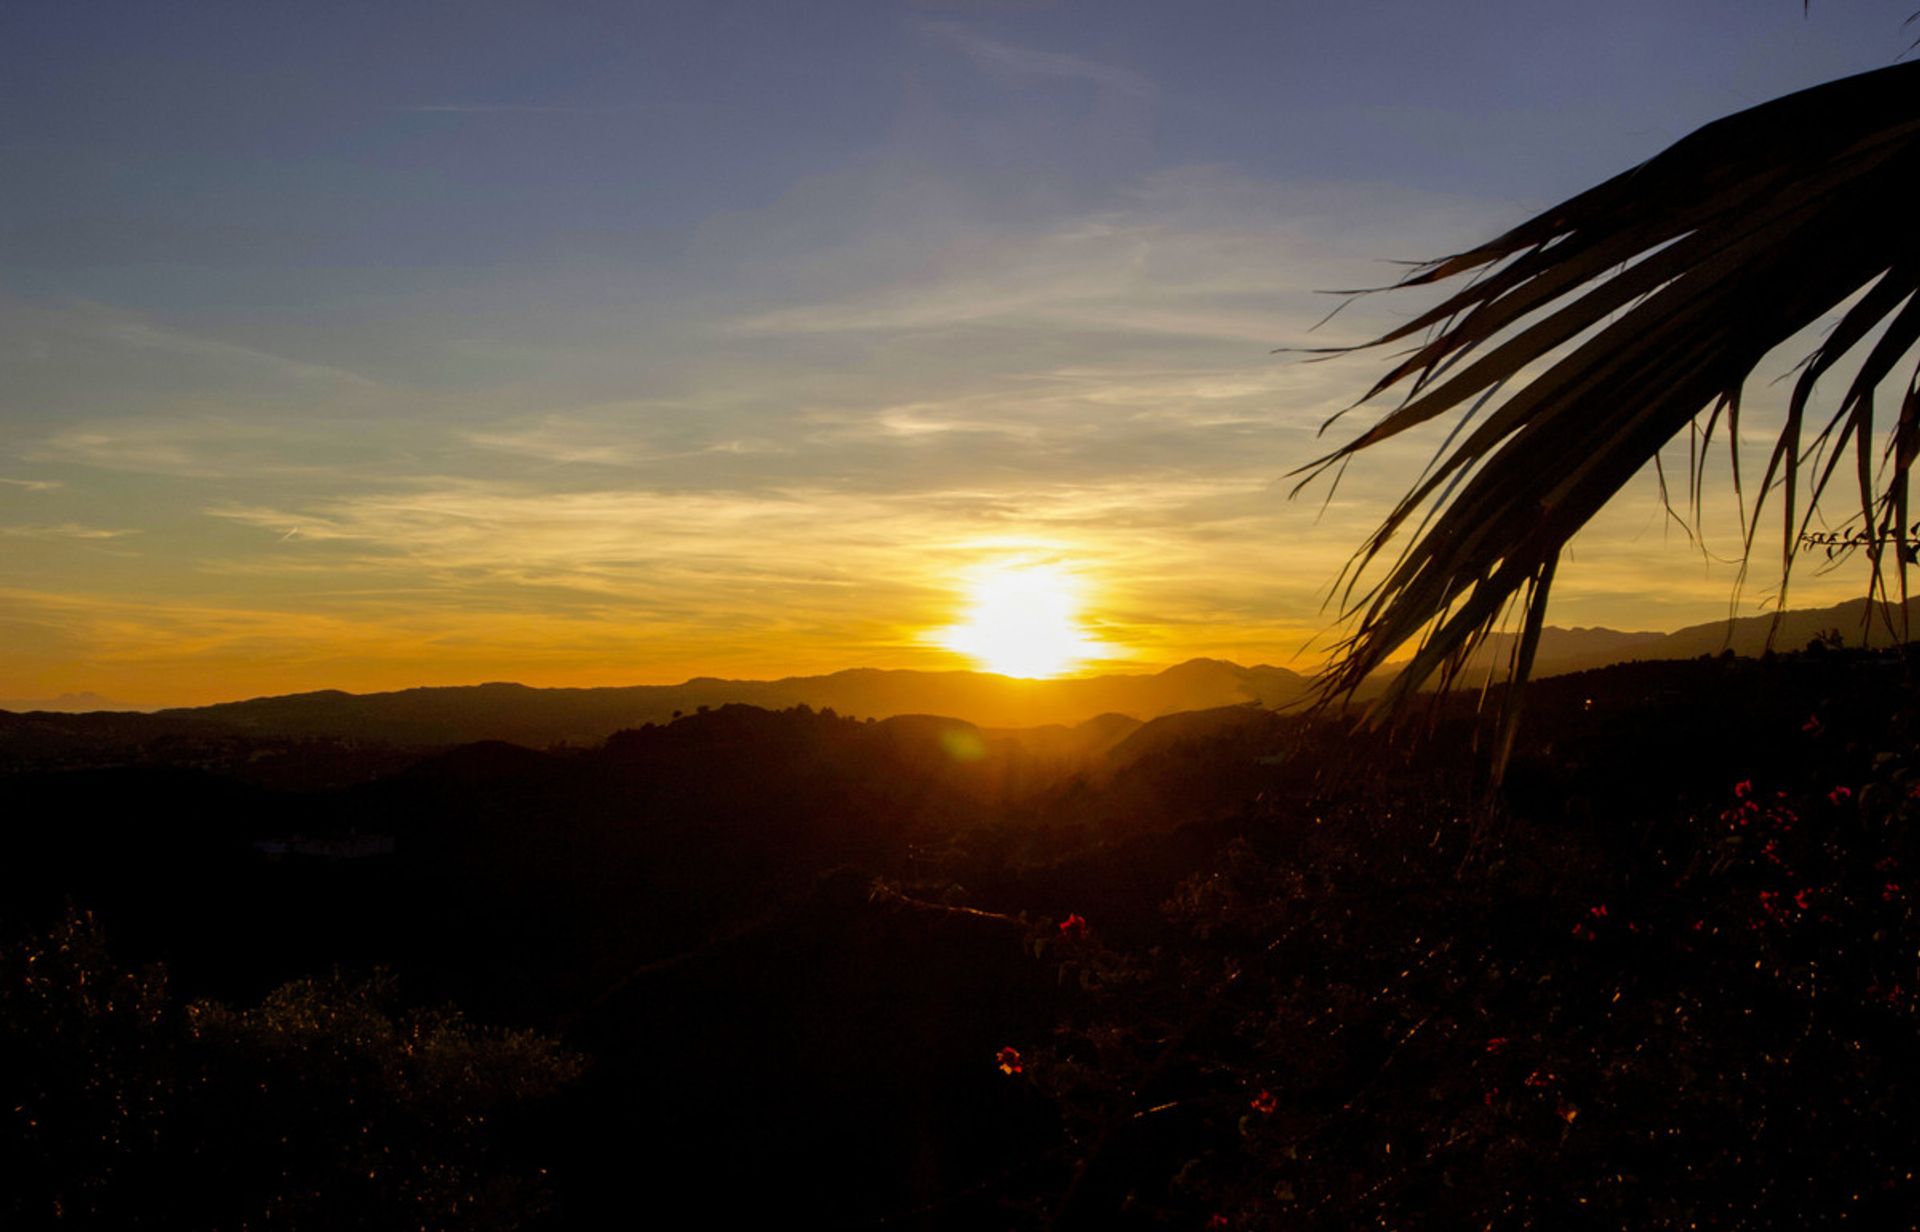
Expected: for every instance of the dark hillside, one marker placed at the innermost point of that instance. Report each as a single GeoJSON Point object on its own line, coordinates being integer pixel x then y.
{"type": "Point", "coordinates": [921, 973]}
{"type": "Point", "coordinates": [541, 717]}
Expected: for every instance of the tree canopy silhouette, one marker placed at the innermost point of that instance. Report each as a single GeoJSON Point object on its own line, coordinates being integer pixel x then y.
{"type": "Point", "coordinates": [1649, 300]}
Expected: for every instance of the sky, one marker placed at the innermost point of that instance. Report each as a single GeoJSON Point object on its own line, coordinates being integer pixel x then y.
{"type": "Point", "coordinates": [374, 345]}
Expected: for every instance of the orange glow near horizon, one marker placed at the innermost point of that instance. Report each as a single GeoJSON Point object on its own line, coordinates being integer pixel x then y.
{"type": "Point", "coordinates": [1023, 620]}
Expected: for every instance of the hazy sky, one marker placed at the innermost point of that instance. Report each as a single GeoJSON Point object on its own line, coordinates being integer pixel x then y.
{"type": "Point", "coordinates": [367, 345]}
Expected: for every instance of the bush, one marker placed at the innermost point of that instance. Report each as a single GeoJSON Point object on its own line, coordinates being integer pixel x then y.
{"type": "Point", "coordinates": [1699, 1021]}
{"type": "Point", "coordinates": [324, 1107]}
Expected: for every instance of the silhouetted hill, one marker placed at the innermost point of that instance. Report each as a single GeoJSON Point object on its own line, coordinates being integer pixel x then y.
{"type": "Point", "coordinates": [332, 737]}
{"type": "Point", "coordinates": [541, 717]}
{"type": "Point", "coordinates": [1857, 624]}
{"type": "Point", "coordinates": [886, 1007]}
{"type": "Point", "coordinates": [48, 740]}
{"type": "Point", "coordinates": [1171, 732]}
{"type": "Point", "coordinates": [1573, 650]}
{"type": "Point", "coordinates": [49, 736]}
{"type": "Point", "coordinates": [1593, 647]}
{"type": "Point", "coordinates": [1562, 651]}
{"type": "Point", "coordinates": [1058, 742]}
{"type": "Point", "coordinates": [485, 762]}
{"type": "Point", "coordinates": [917, 966]}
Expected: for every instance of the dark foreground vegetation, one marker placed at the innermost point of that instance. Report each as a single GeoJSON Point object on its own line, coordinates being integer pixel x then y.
{"type": "Point", "coordinates": [1231, 969]}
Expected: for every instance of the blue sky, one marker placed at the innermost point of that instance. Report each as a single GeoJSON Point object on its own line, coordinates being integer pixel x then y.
{"type": "Point", "coordinates": [368, 345]}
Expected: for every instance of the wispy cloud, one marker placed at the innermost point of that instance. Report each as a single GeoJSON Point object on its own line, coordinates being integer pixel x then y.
{"type": "Point", "coordinates": [765, 564]}
{"type": "Point", "coordinates": [32, 485]}
{"type": "Point", "coordinates": [65, 530]}
{"type": "Point", "coordinates": [1011, 61]}
{"type": "Point", "coordinates": [214, 447]}
{"type": "Point", "coordinates": [167, 449]}
{"type": "Point", "coordinates": [1200, 253]}
{"type": "Point", "coordinates": [617, 436]}
{"type": "Point", "coordinates": [125, 328]}
{"type": "Point", "coordinates": [554, 441]}
{"type": "Point", "coordinates": [507, 109]}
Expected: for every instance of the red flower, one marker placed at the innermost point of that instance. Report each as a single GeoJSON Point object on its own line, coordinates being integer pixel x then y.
{"type": "Point", "coordinates": [1840, 793]}
{"type": "Point", "coordinates": [1074, 925]}
{"type": "Point", "coordinates": [1743, 788]}
{"type": "Point", "coordinates": [1264, 1103]}
{"type": "Point", "coordinates": [1497, 1043]}
{"type": "Point", "coordinates": [1009, 1060]}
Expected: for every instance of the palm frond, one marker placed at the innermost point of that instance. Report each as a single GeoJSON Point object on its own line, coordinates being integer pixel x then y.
{"type": "Point", "coordinates": [1650, 299]}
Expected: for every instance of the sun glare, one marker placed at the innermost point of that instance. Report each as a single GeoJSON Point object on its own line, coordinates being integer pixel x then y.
{"type": "Point", "coordinates": [1023, 620]}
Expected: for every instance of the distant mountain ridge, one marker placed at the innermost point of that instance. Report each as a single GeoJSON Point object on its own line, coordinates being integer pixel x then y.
{"type": "Point", "coordinates": [540, 717]}
{"type": "Point", "coordinates": [1575, 650]}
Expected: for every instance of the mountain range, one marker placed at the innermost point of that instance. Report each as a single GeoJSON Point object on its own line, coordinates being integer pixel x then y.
{"type": "Point", "coordinates": [1853, 623]}
{"type": "Point", "coordinates": [541, 717]}
{"type": "Point", "coordinates": [538, 717]}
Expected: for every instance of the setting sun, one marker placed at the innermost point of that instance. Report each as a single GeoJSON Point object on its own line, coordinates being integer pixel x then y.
{"type": "Point", "coordinates": [1023, 620]}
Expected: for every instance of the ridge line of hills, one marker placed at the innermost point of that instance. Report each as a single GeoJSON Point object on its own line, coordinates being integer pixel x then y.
{"type": "Point", "coordinates": [541, 717]}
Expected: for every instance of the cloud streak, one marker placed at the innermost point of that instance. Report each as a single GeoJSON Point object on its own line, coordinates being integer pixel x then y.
{"type": "Point", "coordinates": [513, 109]}
{"type": "Point", "coordinates": [1015, 63]}
{"type": "Point", "coordinates": [66, 530]}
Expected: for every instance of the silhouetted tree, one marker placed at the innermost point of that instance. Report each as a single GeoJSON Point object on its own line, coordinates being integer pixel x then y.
{"type": "Point", "coordinates": [1649, 300]}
